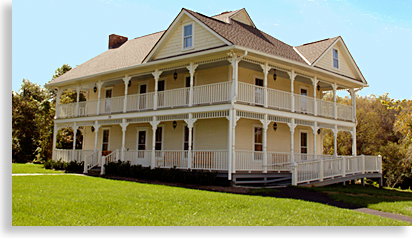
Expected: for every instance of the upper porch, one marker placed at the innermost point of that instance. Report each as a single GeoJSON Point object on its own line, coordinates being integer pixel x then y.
{"type": "Point", "coordinates": [216, 80]}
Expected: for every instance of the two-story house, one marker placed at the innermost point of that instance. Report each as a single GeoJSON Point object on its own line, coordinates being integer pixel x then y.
{"type": "Point", "coordinates": [216, 93]}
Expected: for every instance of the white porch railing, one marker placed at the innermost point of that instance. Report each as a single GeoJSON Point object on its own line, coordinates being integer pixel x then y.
{"type": "Point", "coordinates": [308, 171]}
{"type": "Point", "coordinates": [211, 160]}
{"type": "Point", "coordinates": [212, 93]}
{"type": "Point", "coordinates": [88, 108]}
{"type": "Point", "coordinates": [138, 157]}
{"type": "Point", "coordinates": [111, 105]}
{"type": "Point", "coordinates": [91, 161]}
{"type": "Point", "coordinates": [332, 167]}
{"type": "Point", "coordinates": [277, 161]}
{"type": "Point", "coordinates": [373, 163]}
{"type": "Point", "coordinates": [304, 157]}
{"type": "Point", "coordinates": [67, 110]}
{"type": "Point", "coordinates": [251, 94]}
{"type": "Point", "coordinates": [66, 155]}
{"type": "Point", "coordinates": [325, 108]}
{"type": "Point", "coordinates": [304, 104]}
{"type": "Point", "coordinates": [171, 158]}
{"type": "Point", "coordinates": [344, 112]}
{"type": "Point", "coordinates": [110, 158]}
{"type": "Point", "coordinates": [249, 160]}
{"type": "Point", "coordinates": [173, 98]}
{"type": "Point", "coordinates": [139, 102]}
{"type": "Point", "coordinates": [354, 164]}
{"type": "Point", "coordinates": [279, 99]}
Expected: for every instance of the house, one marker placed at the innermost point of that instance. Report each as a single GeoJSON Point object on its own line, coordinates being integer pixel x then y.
{"type": "Point", "coordinates": [216, 93]}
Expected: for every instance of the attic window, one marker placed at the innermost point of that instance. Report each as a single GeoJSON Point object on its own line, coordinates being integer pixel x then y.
{"type": "Point", "coordinates": [335, 59]}
{"type": "Point", "coordinates": [188, 36]}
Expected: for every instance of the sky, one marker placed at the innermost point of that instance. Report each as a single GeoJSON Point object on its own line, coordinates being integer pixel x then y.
{"type": "Point", "coordinates": [48, 34]}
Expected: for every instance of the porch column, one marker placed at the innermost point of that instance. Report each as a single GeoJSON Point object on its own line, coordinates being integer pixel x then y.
{"type": "Point", "coordinates": [353, 98]}
{"type": "Point", "coordinates": [266, 69]}
{"type": "Point", "coordinates": [190, 123]}
{"type": "Point", "coordinates": [354, 141]}
{"type": "Point", "coordinates": [77, 100]}
{"type": "Point", "coordinates": [126, 80]}
{"type": "Point", "coordinates": [335, 140]}
{"type": "Point", "coordinates": [315, 83]}
{"type": "Point", "coordinates": [154, 124]}
{"type": "Point", "coordinates": [229, 145]}
{"type": "Point", "coordinates": [99, 87]}
{"type": "Point", "coordinates": [55, 130]}
{"type": "Point", "coordinates": [292, 127]}
{"type": "Point", "coordinates": [335, 113]}
{"type": "Point", "coordinates": [96, 127]}
{"type": "Point", "coordinates": [292, 76]}
{"type": "Point", "coordinates": [192, 67]}
{"type": "Point", "coordinates": [315, 132]}
{"type": "Point", "coordinates": [75, 127]}
{"type": "Point", "coordinates": [156, 74]}
{"type": "Point", "coordinates": [124, 128]}
{"type": "Point", "coordinates": [235, 119]}
{"type": "Point", "coordinates": [234, 61]}
{"type": "Point", "coordinates": [58, 95]}
{"type": "Point", "coordinates": [265, 124]}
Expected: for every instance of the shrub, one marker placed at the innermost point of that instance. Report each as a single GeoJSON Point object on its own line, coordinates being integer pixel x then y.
{"type": "Point", "coordinates": [125, 169]}
{"type": "Point", "coordinates": [72, 166]}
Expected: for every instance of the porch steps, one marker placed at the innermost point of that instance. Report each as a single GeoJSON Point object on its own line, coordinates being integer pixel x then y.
{"type": "Point", "coordinates": [95, 171]}
{"type": "Point", "coordinates": [262, 179]}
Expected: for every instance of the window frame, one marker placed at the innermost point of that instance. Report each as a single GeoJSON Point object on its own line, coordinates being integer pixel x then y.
{"type": "Point", "coordinates": [161, 142]}
{"type": "Point", "coordinates": [254, 127]}
{"type": "Point", "coordinates": [108, 143]}
{"type": "Point", "coordinates": [192, 36]}
{"type": "Point", "coordinates": [193, 137]}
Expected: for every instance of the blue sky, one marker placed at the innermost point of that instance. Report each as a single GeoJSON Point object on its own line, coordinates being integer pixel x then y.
{"type": "Point", "coordinates": [47, 34]}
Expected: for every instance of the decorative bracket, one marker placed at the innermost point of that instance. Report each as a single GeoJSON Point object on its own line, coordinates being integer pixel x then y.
{"type": "Point", "coordinates": [265, 125]}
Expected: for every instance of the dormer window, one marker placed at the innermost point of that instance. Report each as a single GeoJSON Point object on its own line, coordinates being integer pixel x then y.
{"type": "Point", "coordinates": [188, 36]}
{"type": "Point", "coordinates": [335, 59]}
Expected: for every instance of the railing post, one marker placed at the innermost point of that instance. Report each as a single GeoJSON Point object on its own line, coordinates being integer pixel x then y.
{"type": "Point", "coordinates": [321, 170]}
{"type": "Point", "coordinates": [363, 164]}
{"type": "Point", "coordinates": [102, 166]}
{"type": "Point", "coordinates": [76, 113]}
{"type": "Point", "coordinates": [379, 162]}
{"type": "Point", "coordinates": [343, 166]}
{"type": "Point", "coordinates": [85, 165]}
{"type": "Point", "coordinates": [99, 87]}
{"type": "Point", "coordinates": [315, 105]}
{"type": "Point", "coordinates": [294, 174]}
{"type": "Point", "coordinates": [292, 79]}
{"type": "Point", "coordinates": [126, 80]}
{"type": "Point", "coordinates": [117, 155]}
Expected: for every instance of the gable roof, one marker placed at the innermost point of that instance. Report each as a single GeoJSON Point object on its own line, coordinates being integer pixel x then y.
{"type": "Point", "coordinates": [132, 52]}
{"type": "Point", "coordinates": [232, 32]}
{"type": "Point", "coordinates": [313, 50]}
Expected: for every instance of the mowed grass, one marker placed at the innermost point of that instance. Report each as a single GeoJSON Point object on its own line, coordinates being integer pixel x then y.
{"type": "Point", "coordinates": [79, 200]}
{"type": "Point", "coordinates": [30, 168]}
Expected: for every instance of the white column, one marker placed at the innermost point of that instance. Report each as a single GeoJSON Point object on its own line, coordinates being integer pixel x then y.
{"type": "Point", "coordinates": [55, 131]}
{"type": "Point", "coordinates": [235, 119]}
{"type": "Point", "coordinates": [292, 79]}
{"type": "Point", "coordinates": [96, 133]}
{"type": "Point", "coordinates": [265, 124]}
{"type": "Point", "coordinates": [154, 124]}
{"type": "Point", "coordinates": [292, 139]}
{"type": "Point", "coordinates": [335, 139]}
{"type": "Point", "coordinates": [99, 87]}
{"type": "Point", "coordinates": [156, 74]}
{"type": "Point", "coordinates": [58, 95]}
{"type": "Point", "coordinates": [353, 97]}
{"type": "Point", "coordinates": [124, 128]}
{"type": "Point", "coordinates": [190, 122]}
{"type": "Point", "coordinates": [315, 132]}
{"type": "Point", "coordinates": [192, 67]}
{"type": "Point", "coordinates": [77, 100]}
{"type": "Point", "coordinates": [354, 141]}
{"type": "Point", "coordinates": [266, 69]}
{"type": "Point", "coordinates": [335, 86]}
{"type": "Point", "coordinates": [234, 61]}
{"type": "Point", "coordinates": [229, 145]}
{"type": "Point", "coordinates": [315, 83]}
{"type": "Point", "coordinates": [126, 80]}
{"type": "Point", "coordinates": [75, 127]}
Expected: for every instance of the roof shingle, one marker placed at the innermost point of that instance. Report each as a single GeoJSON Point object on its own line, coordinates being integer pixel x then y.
{"type": "Point", "coordinates": [312, 51]}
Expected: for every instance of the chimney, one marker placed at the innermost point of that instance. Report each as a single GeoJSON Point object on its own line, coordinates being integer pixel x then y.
{"type": "Point", "coordinates": [115, 41]}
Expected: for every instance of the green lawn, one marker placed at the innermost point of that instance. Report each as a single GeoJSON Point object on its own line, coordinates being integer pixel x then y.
{"type": "Point", "coordinates": [77, 200]}
{"type": "Point", "coordinates": [386, 199]}
{"type": "Point", "coordinates": [30, 169]}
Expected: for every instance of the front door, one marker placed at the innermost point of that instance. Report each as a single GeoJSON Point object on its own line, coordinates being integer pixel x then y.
{"type": "Point", "coordinates": [108, 100]}
{"type": "Point", "coordinates": [142, 96]}
{"type": "Point", "coordinates": [161, 96]}
{"type": "Point", "coordinates": [303, 100]}
{"type": "Point", "coordinates": [105, 141]}
{"type": "Point", "coordinates": [259, 92]}
{"type": "Point", "coordinates": [258, 143]}
{"type": "Point", "coordinates": [304, 145]}
{"type": "Point", "coordinates": [141, 144]}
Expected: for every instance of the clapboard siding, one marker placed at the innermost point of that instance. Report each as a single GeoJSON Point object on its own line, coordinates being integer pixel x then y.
{"type": "Point", "coordinates": [242, 17]}
{"type": "Point", "coordinates": [326, 63]}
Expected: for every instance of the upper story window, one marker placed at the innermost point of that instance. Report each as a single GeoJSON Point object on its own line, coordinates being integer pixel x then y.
{"type": "Point", "coordinates": [188, 36]}
{"type": "Point", "coordinates": [335, 59]}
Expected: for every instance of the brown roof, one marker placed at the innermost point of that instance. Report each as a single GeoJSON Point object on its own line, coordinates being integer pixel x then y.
{"type": "Point", "coordinates": [248, 36]}
{"type": "Point", "coordinates": [312, 51]}
{"type": "Point", "coordinates": [131, 53]}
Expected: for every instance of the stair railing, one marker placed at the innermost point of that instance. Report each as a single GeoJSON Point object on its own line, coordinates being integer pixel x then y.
{"type": "Point", "coordinates": [91, 161]}
{"type": "Point", "coordinates": [112, 157]}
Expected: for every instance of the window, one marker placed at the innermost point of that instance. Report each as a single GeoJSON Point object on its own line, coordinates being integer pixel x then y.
{"type": "Point", "coordinates": [105, 141]}
{"type": "Point", "coordinates": [335, 59]}
{"type": "Point", "coordinates": [188, 36]}
{"type": "Point", "coordinates": [258, 147]}
{"type": "Point", "coordinates": [159, 132]}
{"type": "Point", "coordinates": [303, 143]}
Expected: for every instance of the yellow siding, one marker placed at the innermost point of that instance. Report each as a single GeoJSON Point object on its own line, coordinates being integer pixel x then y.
{"type": "Point", "coordinates": [327, 63]}
{"type": "Point", "coordinates": [202, 39]}
{"type": "Point", "coordinates": [242, 17]}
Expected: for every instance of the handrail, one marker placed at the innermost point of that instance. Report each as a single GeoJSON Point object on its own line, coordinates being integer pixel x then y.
{"type": "Point", "coordinates": [109, 158]}
{"type": "Point", "coordinates": [94, 162]}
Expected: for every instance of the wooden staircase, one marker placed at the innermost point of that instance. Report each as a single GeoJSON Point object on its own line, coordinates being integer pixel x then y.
{"type": "Point", "coordinates": [262, 179]}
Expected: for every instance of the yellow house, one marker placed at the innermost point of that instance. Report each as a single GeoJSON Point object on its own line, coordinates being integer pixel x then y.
{"type": "Point", "coordinates": [216, 93]}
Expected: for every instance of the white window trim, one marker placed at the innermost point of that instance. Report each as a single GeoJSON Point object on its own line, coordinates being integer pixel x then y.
{"type": "Point", "coordinates": [139, 129]}
{"type": "Point", "coordinates": [143, 83]}
{"type": "Point", "coordinates": [195, 80]}
{"type": "Point", "coordinates": [183, 37]}
{"type": "Point", "coordinates": [106, 89]}
{"type": "Point", "coordinates": [163, 136]}
{"type": "Point", "coordinates": [101, 140]}
{"type": "Point", "coordinates": [337, 50]}
{"type": "Point", "coordinates": [253, 133]}
{"type": "Point", "coordinates": [300, 140]}
{"type": "Point", "coordinates": [193, 139]}
{"type": "Point", "coordinates": [303, 87]}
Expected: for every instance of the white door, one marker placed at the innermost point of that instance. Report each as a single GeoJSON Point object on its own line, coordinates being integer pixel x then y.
{"type": "Point", "coordinates": [108, 101]}
{"type": "Point", "coordinates": [303, 100]}
{"type": "Point", "coordinates": [304, 145]}
{"type": "Point", "coordinates": [141, 143]}
{"type": "Point", "coordinates": [259, 92]}
{"type": "Point", "coordinates": [142, 97]}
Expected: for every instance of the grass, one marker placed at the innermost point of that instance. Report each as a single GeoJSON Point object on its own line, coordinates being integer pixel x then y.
{"type": "Point", "coordinates": [91, 201]}
{"type": "Point", "coordinates": [387, 199]}
{"type": "Point", "coordinates": [30, 168]}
